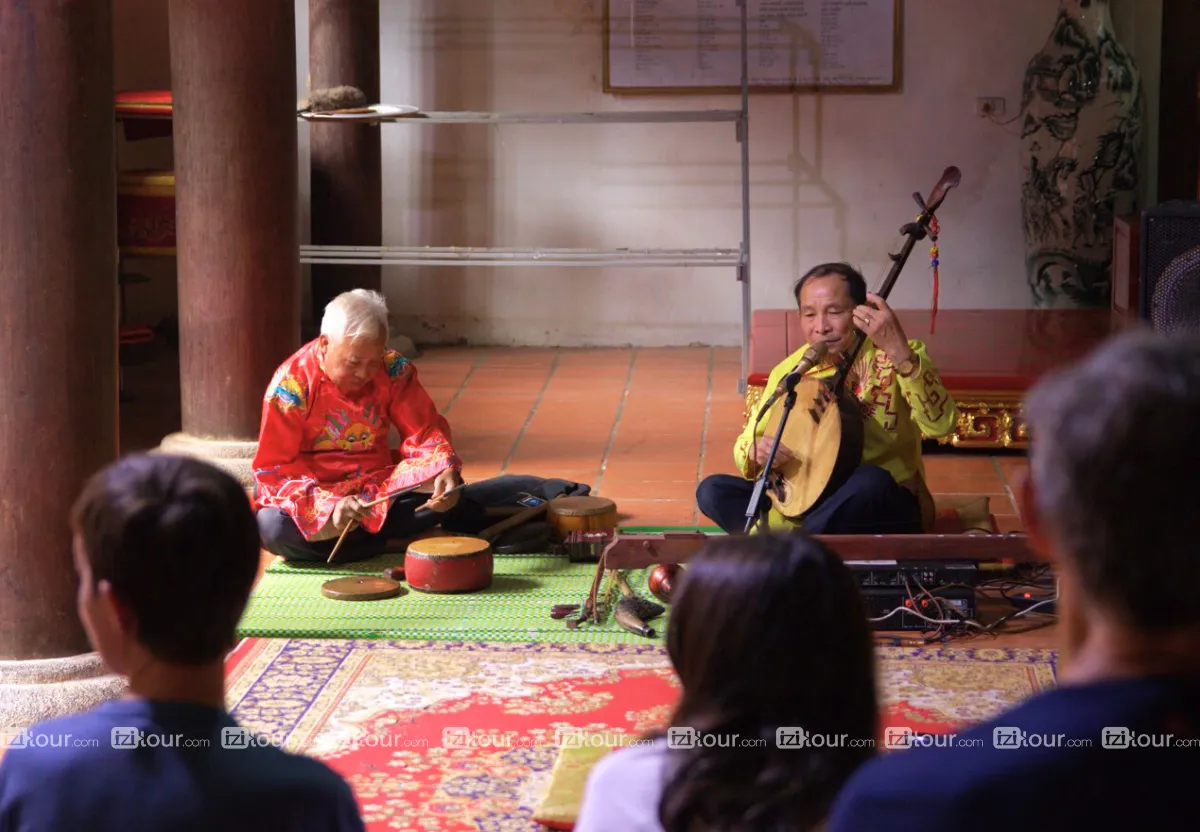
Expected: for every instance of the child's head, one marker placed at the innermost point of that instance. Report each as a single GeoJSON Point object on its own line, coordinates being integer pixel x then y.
{"type": "Point", "coordinates": [768, 632]}
{"type": "Point", "coordinates": [167, 550]}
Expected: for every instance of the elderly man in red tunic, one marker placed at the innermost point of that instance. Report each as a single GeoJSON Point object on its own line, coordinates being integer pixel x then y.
{"type": "Point", "coordinates": [324, 451]}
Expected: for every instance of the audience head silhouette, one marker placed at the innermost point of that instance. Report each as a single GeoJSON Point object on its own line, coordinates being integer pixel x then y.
{"type": "Point", "coordinates": [1110, 488]}
{"type": "Point", "coordinates": [167, 550]}
{"type": "Point", "coordinates": [767, 632]}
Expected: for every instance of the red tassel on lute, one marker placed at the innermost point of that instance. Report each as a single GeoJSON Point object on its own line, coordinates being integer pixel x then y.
{"type": "Point", "coordinates": [933, 257]}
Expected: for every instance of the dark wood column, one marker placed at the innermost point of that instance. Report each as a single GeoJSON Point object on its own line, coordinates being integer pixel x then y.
{"type": "Point", "coordinates": [1179, 102]}
{"type": "Point", "coordinates": [343, 49]}
{"type": "Point", "coordinates": [233, 76]}
{"type": "Point", "coordinates": [58, 306]}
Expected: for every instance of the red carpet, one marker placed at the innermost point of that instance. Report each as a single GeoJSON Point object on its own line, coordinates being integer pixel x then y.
{"type": "Point", "coordinates": [441, 736]}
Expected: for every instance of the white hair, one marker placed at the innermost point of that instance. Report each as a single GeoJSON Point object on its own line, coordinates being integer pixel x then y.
{"type": "Point", "coordinates": [359, 313]}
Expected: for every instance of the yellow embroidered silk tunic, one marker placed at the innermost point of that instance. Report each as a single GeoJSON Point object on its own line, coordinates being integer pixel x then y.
{"type": "Point", "coordinates": [896, 411]}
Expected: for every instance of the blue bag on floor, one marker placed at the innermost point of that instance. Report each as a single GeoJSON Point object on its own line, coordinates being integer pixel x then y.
{"type": "Point", "coordinates": [470, 516]}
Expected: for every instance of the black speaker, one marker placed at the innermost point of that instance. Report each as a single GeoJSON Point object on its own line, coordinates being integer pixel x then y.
{"type": "Point", "coordinates": [1170, 266]}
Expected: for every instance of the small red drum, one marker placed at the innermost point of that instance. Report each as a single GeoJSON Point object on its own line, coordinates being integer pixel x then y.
{"type": "Point", "coordinates": [449, 564]}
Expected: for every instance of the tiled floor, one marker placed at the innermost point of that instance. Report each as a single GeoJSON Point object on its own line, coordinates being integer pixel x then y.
{"type": "Point", "coordinates": [641, 426]}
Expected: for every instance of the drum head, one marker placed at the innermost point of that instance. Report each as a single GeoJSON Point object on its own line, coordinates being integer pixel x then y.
{"type": "Point", "coordinates": [448, 547]}
{"type": "Point", "coordinates": [360, 588]}
{"type": "Point", "coordinates": [581, 506]}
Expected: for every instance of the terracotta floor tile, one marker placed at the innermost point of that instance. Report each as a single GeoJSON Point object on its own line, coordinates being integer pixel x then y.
{"type": "Point", "coordinates": [954, 482]}
{"type": "Point", "coordinates": [657, 513]}
{"type": "Point", "coordinates": [1012, 468]}
{"type": "Point", "coordinates": [632, 468]}
{"type": "Point", "coordinates": [519, 357]}
{"type": "Point", "coordinates": [643, 433]}
{"type": "Point", "coordinates": [963, 464]}
{"type": "Point", "coordinates": [624, 489]}
{"type": "Point", "coordinates": [999, 503]}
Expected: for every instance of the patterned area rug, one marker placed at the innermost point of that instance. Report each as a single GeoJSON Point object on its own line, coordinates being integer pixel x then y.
{"type": "Point", "coordinates": [445, 736]}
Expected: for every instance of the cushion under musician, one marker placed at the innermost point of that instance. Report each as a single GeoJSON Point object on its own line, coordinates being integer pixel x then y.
{"type": "Point", "coordinates": [324, 462]}
{"type": "Point", "coordinates": [900, 396]}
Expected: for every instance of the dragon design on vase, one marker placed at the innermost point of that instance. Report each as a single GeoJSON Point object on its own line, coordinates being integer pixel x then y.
{"type": "Point", "coordinates": [1081, 136]}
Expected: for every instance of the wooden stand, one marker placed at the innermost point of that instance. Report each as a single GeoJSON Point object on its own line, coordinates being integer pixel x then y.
{"type": "Point", "coordinates": [638, 551]}
{"type": "Point", "coordinates": [347, 203]}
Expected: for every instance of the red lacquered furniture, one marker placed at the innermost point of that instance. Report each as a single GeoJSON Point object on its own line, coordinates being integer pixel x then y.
{"type": "Point", "coordinates": [987, 358]}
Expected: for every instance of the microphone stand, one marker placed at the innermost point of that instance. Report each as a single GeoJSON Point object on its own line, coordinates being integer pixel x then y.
{"type": "Point", "coordinates": [914, 231]}
{"type": "Point", "coordinates": [759, 508]}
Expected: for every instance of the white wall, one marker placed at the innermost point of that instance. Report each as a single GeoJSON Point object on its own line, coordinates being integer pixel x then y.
{"type": "Point", "coordinates": [831, 174]}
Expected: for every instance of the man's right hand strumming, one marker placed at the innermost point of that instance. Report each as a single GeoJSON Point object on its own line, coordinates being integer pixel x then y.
{"type": "Point", "coordinates": [762, 450]}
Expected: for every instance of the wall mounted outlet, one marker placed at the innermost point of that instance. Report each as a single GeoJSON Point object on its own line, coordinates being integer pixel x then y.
{"type": "Point", "coordinates": [989, 107]}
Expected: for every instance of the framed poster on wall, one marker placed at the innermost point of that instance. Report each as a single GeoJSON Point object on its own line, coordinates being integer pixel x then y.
{"type": "Point", "coordinates": [694, 46]}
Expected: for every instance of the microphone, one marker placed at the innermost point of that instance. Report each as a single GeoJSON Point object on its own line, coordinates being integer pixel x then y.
{"type": "Point", "coordinates": [812, 356]}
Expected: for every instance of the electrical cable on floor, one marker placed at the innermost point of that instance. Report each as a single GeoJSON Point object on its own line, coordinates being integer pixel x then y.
{"type": "Point", "coordinates": [950, 625]}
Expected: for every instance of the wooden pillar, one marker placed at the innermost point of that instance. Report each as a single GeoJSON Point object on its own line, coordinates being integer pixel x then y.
{"type": "Point", "coordinates": [343, 44]}
{"type": "Point", "coordinates": [58, 307]}
{"type": "Point", "coordinates": [233, 77]}
{"type": "Point", "coordinates": [1179, 102]}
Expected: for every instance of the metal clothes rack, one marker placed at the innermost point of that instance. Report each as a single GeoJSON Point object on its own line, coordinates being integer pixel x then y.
{"type": "Point", "coordinates": [738, 258]}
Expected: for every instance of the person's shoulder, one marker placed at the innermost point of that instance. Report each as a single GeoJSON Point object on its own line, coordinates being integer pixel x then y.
{"type": "Point", "coordinates": [273, 775]}
{"type": "Point", "coordinates": [1048, 744]}
{"type": "Point", "coordinates": [396, 366]}
{"type": "Point", "coordinates": [42, 757]}
{"type": "Point", "coordinates": [278, 769]}
{"type": "Point", "coordinates": [291, 384]}
{"type": "Point", "coordinates": [631, 762]}
{"type": "Point", "coordinates": [624, 788]}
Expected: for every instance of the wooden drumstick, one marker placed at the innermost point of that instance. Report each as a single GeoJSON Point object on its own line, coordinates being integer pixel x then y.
{"type": "Point", "coordinates": [445, 494]}
{"type": "Point", "coordinates": [492, 532]}
{"type": "Point", "coordinates": [384, 499]}
{"type": "Point", "coordinates": [375, 502]}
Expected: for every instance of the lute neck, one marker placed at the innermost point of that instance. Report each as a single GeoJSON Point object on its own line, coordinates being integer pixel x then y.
{"type": "Point", "coordinates": [915, 232]}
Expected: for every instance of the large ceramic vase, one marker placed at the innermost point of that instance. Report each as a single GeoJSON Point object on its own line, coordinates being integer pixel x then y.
{"type": "Point", "coordinates": [1082, 106]}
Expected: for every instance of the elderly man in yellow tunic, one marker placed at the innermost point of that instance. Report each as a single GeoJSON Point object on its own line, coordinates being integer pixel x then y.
{"type": "Point", "coordinates": [324, 454]}
{"type": "Point", "coordinates": [900, 395]}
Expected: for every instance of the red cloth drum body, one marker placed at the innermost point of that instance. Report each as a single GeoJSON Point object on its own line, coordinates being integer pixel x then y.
{"type": "Point", "coordinates": [449, 564]}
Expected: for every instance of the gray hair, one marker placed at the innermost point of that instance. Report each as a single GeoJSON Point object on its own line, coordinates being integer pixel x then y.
{"type": "Point", "coordinates": [1114, 467]}
{"type": "Point", "coordinates": [359, 313]}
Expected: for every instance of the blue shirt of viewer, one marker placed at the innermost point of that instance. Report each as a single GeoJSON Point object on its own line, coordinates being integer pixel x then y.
{"type": "Point", "coordinates": [139, 765]}
{"type": "Point", "coordinates": [1061, 760]}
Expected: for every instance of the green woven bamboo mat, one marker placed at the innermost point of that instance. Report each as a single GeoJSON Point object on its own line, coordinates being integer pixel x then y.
{"type": "Point", "coordinates": [287, 603]}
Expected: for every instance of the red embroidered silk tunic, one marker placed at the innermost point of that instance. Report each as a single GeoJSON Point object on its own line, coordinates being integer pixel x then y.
{"type": "Point", "coordinates": [318, 444]}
